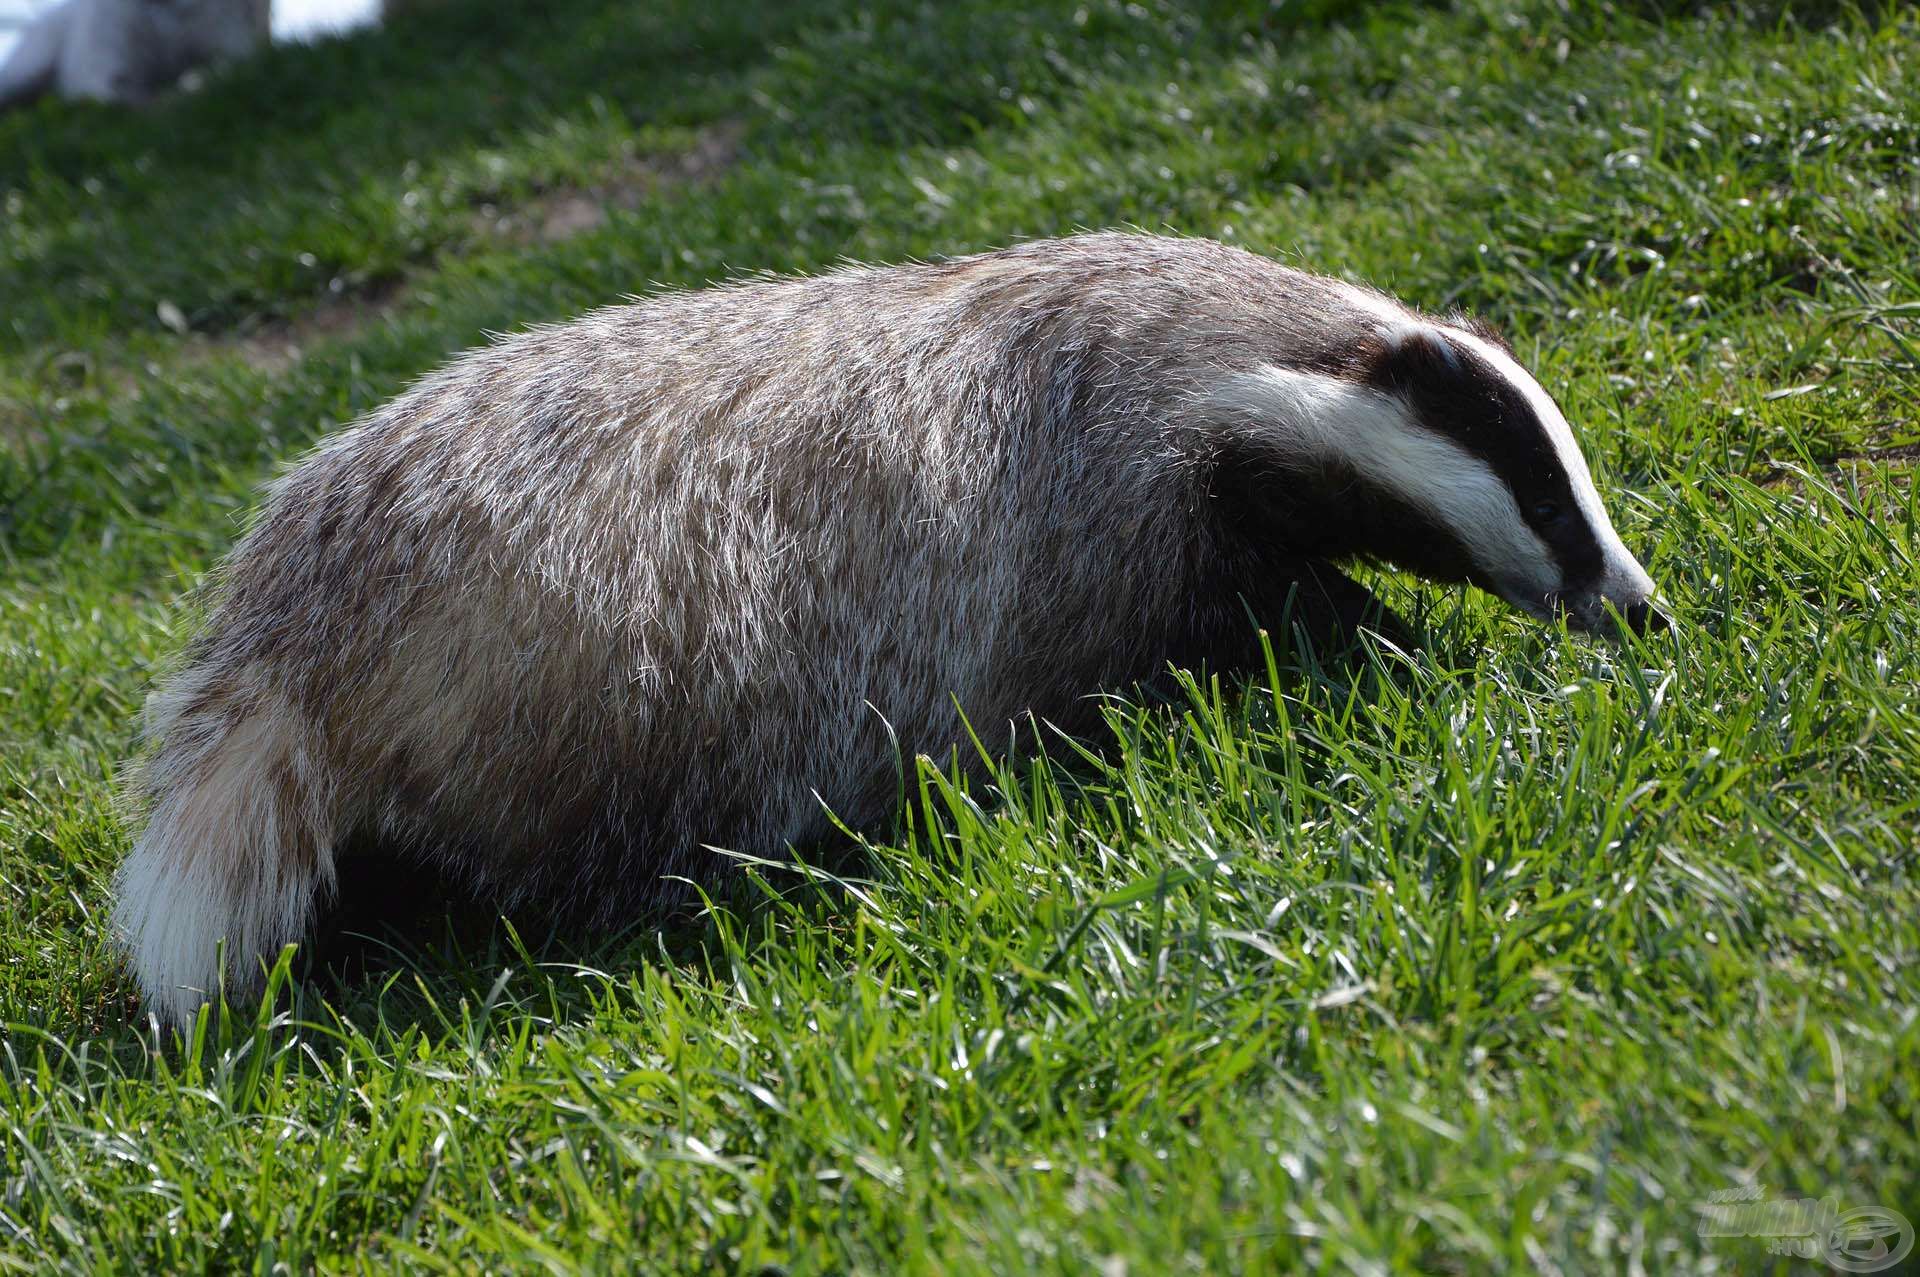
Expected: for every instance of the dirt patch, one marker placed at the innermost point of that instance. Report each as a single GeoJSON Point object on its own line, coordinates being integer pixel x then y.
{"type": "Point", "coordinates": [1899, 452]}
{"type": "Point", "coordinates": [274, 345]}
{"type": "Point", "coordinates": [563, 212]}
{"type": "Point", "coordinates": [278, 345]}
{"type": "Point", "coordinates": [110, 376]}
{"type": "Point", "coordinates": [552, 216]}
{"type": "Point", "coordinates": [1897, 461]}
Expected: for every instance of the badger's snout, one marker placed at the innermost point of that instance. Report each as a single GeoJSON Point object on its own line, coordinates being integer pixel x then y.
{"type": "Point", "coordinates": [1645, 618]}
{"type": "Point", "coordinates": [1624, 599]}
{"type": "Point", "coordinates": [1606, 617]}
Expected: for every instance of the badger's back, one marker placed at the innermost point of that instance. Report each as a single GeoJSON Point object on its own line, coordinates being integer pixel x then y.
{"type": "Point", "coordinates": [679, 574]}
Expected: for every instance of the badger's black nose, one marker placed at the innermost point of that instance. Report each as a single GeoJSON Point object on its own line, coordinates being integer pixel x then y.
{"type": "Point", "coordinates": [1644, 618]}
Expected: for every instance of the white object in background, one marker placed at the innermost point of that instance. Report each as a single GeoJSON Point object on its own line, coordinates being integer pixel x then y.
{"type": "Point", "coordinates": [317, 19]}
{"type": "Point", "coordinates": [123, 49]}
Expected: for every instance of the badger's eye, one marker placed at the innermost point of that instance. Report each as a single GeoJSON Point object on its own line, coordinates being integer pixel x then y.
{"type": "Point", "coordinates": [1546, 511]}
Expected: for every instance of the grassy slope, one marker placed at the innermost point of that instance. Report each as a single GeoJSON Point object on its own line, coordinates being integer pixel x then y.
{"type": "Point", "coordinates": [1509, 954]}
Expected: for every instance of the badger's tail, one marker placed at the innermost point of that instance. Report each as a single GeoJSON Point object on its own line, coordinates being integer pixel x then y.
{"type": "Point", "coordinates": [238, 844]}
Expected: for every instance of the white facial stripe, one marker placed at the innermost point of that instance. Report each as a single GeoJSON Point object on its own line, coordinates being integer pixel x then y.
{"type": "Point", "coordinates": [1389, 312]}
{"type": "Point", "coordinates": [1397, 325]}
{"type": "Point", "coordinates": [1318, 417]}
{"type": "Point", "coordinates": [1622, 575]}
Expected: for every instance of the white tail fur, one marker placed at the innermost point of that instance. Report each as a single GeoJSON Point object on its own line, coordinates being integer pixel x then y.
{"type": "Point", "coordinates": [236, 849]}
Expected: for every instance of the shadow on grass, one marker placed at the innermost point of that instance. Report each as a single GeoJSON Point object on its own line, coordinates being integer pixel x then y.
{"type": "Point", "coordinates": [396, 915]}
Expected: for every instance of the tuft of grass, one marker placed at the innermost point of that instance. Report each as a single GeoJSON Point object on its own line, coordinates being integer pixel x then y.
{"type": "Point", "coordinates": [1506, 953]}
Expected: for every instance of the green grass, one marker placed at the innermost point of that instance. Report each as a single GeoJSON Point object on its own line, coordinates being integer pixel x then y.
{"type": "Point", "coordinates": [1506, 955]}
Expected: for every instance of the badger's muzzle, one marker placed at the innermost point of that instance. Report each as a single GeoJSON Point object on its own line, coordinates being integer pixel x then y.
{"type": "Point", "coordinates": [1607, 619]}
{"type": "Point", "coordinates": [1644, 618]}
{"type": "Point", "coordinates": [1622, 599]}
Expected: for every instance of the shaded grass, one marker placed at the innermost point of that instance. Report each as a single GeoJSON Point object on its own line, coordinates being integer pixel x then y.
{"type": "Point", "coordinates": [1505, 954]}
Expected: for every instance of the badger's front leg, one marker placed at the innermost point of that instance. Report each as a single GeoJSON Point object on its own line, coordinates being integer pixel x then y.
{"type": "Point", "coordinates": [1308, 597]}
{"type": "Point", "coordinates": [1332, 607]}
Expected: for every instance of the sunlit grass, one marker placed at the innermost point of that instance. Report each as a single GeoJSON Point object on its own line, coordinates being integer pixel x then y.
{"type": "Point", "coordinates": [1502, 954]}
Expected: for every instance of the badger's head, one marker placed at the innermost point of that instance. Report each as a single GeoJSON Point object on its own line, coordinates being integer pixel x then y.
{"type": "Point", "coordinates": [1424, 443]}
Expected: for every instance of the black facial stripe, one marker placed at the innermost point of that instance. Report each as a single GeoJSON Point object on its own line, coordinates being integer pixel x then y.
{"type": "Point", "coordinates": [1408, 536]}
{"type": "Point", "coordinates": [1333, 512]}
{"type": "Point", "coordinates": [1457, 394]}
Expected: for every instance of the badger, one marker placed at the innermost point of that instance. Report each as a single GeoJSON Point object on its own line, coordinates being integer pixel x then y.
{"type": "Point", "coordinates": [590, 605]}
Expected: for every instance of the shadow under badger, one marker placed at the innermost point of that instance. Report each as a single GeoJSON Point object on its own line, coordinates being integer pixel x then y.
{"type": "Point", "coordinates": [679, 574]}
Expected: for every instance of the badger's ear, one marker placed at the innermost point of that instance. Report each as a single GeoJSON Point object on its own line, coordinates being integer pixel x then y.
{"type": "Point", "coordinates": [1482, 329]}
{"type": "Point", "coordinates": [1413, 355]}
